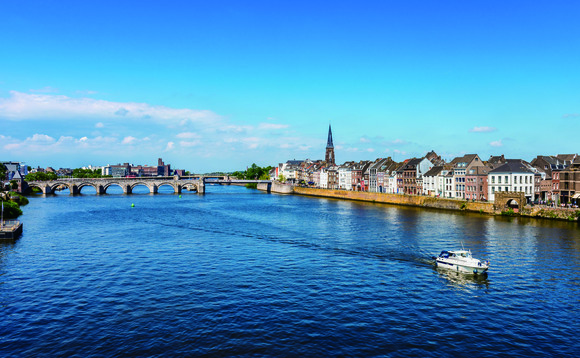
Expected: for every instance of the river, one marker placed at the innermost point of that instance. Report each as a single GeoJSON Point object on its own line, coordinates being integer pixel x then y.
{"type": "Point", "coordinates": [238, 272]}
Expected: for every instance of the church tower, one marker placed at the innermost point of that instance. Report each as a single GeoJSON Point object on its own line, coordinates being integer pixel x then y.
{"type": "Point", "coordinates": [329, 158]}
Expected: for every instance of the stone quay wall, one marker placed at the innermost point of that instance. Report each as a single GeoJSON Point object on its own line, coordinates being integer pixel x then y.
{"type": "Point", "coordinates": [276, 187]}
{"type": "Point", "coordinates": [399, 199]}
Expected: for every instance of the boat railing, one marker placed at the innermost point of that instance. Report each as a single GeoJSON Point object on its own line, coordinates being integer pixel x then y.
{"type": "Point", "coordinates": [9, 224]}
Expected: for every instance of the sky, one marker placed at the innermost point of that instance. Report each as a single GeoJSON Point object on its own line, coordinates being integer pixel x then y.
{"type": "Point", "coordinates": [219, 85]}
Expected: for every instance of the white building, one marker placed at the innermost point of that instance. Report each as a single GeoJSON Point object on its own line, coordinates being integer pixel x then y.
{"type": "Point", "coordinates": [431, 181]}
{"type": "Point", "coordinates": [345, 177]}
{"type": "Point", "coordinates": [513, 176]}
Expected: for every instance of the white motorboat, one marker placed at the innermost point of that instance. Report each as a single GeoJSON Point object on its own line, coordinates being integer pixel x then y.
{"type": "Point", "coordinates": [461, 261]}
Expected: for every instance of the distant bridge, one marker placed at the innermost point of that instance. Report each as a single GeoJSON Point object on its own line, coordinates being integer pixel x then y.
{"type": "Point", "coordinates": [191, 183]}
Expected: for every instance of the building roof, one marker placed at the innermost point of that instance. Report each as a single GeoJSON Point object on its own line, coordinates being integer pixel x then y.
{"type": "Point", "coordinates": [434, 171]}
{"type": "Point", "coordinates": [480, 170]}
{"type": "Point", "coordinates": [512, 166]}
{"type": "Point", "coordinates": [466, 159]}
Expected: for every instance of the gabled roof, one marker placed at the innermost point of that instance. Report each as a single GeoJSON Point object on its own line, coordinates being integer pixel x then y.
{"type": "Point", "coordinates": [498, 159]}
{"type": "Point", "coordinates": [512, 166]}
{"type": "Point", "coordinates": [466, 159]}
{"type": "Point", "coordinates": [294, 162]}
{"type": "Point", "coordinates": [434, 171]}
{"type": "Point", "coordinates": [482, 170]}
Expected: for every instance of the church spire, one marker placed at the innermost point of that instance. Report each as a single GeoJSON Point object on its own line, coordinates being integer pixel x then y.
{"type": "Point", "coordinates": [329, 157]}
{"type": "Point", "coordinates": [329, 142]}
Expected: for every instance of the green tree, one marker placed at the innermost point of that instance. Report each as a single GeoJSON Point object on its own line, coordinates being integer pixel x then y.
{"type": "Point", "coordinates": [41, 176]}
{"type": "Point", "coordinates": [11, 210]}
{"type": "Point", "coordinates": [281, 178]}
{"type": "Point", "coordinates": [253, 172]}
{"type": "Point", "coordinates": [2, 172]}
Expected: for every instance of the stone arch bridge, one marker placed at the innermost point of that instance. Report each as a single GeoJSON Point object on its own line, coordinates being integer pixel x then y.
{"type": "Point", "coordinates": [127, 184]}
{"type": "Point", "coordinates": [191, 183]}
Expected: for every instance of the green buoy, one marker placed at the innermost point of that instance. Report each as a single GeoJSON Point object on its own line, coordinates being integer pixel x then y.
{"type": "Point", "coordinates": [132, 205]}
{"type": "Point", "coordinates": [180, 197]}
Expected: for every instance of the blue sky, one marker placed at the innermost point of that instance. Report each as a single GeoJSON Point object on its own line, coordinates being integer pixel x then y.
{"type": "Point", "coordinates": [221, 85]}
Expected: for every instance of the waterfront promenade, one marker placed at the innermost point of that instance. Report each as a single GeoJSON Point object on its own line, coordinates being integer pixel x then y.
{"type": "Point", "coordinates": [498, 207]}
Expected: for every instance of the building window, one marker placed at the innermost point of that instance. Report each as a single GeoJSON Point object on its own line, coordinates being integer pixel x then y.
{"type": "Point", "coordinates": [507, 180]}
{"type": "Point", "coordinates": [499, 179]}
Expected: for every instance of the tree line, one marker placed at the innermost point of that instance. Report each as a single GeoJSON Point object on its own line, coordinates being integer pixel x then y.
{"type": "Point", "coordinates": [254, 172]}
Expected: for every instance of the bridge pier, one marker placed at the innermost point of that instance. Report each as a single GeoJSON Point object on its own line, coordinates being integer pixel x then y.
{"type": "Point", "coordinates": [100, 190]}
{"type": "Point", "coordinates": [73, 189]}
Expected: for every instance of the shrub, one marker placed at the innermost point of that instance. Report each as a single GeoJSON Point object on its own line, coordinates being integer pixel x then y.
{"type": "Point", "coordinates": [18, 199]}
{"type": "Point", "coordinates": [508, 212]}
{"type": "Point", "coordinates": [11, 210]}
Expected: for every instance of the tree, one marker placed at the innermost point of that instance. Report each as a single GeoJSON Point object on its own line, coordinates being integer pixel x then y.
{"type": "Point", "coordinates": [40, 176]}
{"type": "Point", "coordinates": [2, 172]}
{"type": "Point", "coordinates": [11, 210]}
{"type": "Point", "coordinates": [281, 178]}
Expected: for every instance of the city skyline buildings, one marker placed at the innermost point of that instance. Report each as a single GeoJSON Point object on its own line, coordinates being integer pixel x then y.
{"type": "Point", "coordinates": [259, 82]}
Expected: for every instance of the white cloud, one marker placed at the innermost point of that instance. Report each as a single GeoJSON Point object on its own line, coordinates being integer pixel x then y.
{"type": "Point", "coordinates": [571, 115]}
{"type": "Point", "coordinates": [482, 129]}
{"type": "Point", "coordinates": [370, 150]}
{"type": "Point", "coordinates": [365, 140]}
{"type": "Point", "coordinates": [496, 143]}
{"type": "Point", "coordinates": [129, 140]}
{"type": "Point", "coordinates": [169, 146]}
{"type": "Point", "coordinates": [41, 138]}
{"type": "Point", "coordinates": [188, 135]}
{"type": "Point", "coordinates": [22, 106]}
{"type": "Point", "coordinates": [99, 125]}
{"type": "Point", "coordinates": [231, 128]}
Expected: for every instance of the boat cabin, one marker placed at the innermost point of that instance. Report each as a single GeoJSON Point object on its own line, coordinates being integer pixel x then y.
{"type": "Point", "coordinates": [459, 253]}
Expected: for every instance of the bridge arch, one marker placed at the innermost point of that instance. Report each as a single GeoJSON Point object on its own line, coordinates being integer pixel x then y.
{"type": "Point", "coordinates": [126, 189]}
{"type": "Point", "coordinates": [151, 187]}
{"type": "Point", "coordinates": [176, 187]}
{"type": "Point", "coordinates": [190, 187]}
{"type": "Point", "coordinates": [80, 186]}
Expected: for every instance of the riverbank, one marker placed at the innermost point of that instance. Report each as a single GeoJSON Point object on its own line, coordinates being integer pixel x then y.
{"type": "Point", "coordinates": [397, 199]}
{"type": "Point", "coordinates": [441, 203]}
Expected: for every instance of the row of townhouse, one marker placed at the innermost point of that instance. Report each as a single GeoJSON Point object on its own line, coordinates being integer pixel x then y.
{"type": "Point", "coordinates": [467, 177]}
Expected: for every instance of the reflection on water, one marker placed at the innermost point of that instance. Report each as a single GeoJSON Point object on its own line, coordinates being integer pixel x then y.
{"type": "Point", "coordinates": [463, 281]}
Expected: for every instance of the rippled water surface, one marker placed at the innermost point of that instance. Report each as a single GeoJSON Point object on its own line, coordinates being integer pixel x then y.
{"type": "Point", "coordinates": [237, 272]}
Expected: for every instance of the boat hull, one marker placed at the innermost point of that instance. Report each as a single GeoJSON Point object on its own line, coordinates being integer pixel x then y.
{"type": "Point", "coordinates": [463, 268]}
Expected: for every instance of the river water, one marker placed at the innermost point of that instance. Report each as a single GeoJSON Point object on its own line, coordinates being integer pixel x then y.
{"type": "Point", "coordinates": [237, 272]}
